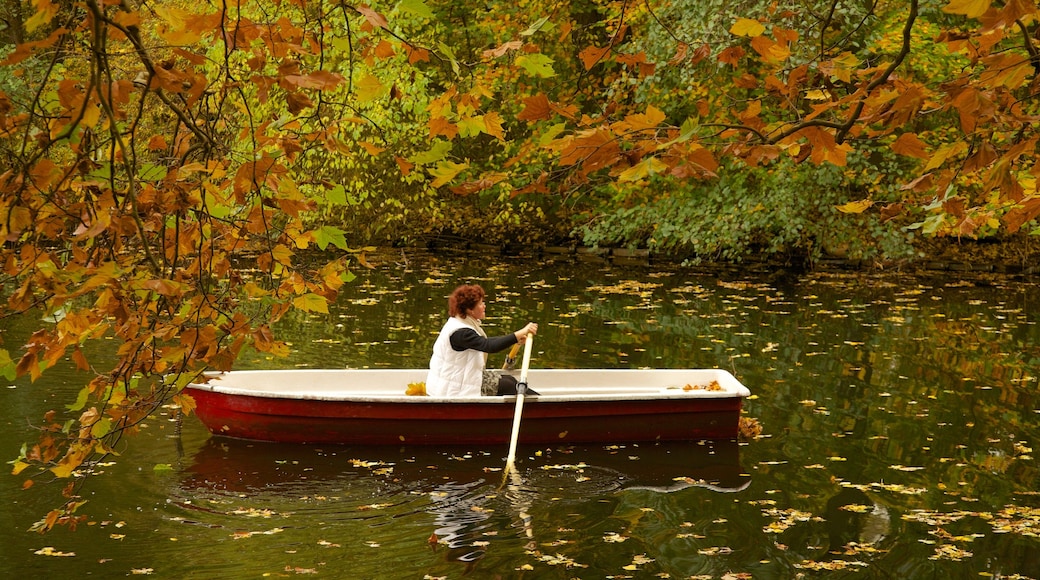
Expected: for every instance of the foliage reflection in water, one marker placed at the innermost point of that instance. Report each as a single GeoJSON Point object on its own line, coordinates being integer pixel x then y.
{"type": "Point", "coordinates": [899, 417]}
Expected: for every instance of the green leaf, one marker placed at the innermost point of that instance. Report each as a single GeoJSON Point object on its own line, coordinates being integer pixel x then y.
{"type": "Point", "coordinates": [7, 366]}
{"type": "Point", "coordinates": [326, 235]}
{"type": "Point", "coordinates": [689, 127]}
{"type": "Point", "coordinates": [81, 400]}
{"type": "Point", "coordinates": [101, 427]}
{"type": "Point", "coordinates": [642, 170]}
{"type": "Point", "coordinates": [471, 126]}
{"type": "Point", "coordinates": [536, 64]}
{"type": "Point", "coordinates": [150, 172]}
{"type": "Point", "coordinates": [538, 24]}
{"type": "Point", "coordinates": [337, 195]}
{"type": "Point", "coordinates": [160, 467]}
{"type": "Point", "coordinates": [416, 7]}
{"type": "Point", "coordinates": [551, 133]}
{"type": "Point", "coordinates": [446, 171]}
{"type": "Point", "coordinates": [450, 55]}
{"type": "Point", "coordinates": [436, 153]}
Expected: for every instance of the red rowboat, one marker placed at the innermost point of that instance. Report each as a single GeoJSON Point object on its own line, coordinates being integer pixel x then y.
{"type": "Point", "coordinates": [371, 407]}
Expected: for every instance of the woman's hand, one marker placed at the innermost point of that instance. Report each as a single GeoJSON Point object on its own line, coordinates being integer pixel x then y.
{"type": "Point", "coordinates": [521, 335]}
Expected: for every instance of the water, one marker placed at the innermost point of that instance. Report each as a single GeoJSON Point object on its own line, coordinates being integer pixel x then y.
{"type": "Point", "coordinates": [900, 418]}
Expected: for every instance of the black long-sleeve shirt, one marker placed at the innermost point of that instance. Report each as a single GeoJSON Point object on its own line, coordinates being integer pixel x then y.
{"type": "Point", "coordinates": [466, 338]}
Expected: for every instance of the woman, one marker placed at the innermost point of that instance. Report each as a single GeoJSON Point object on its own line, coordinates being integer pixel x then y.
{"type": "Point", "coordinates": [457, 367]}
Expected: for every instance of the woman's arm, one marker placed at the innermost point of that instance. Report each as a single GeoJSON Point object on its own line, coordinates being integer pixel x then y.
{"type": "Point", "coordinates": [466, 338]}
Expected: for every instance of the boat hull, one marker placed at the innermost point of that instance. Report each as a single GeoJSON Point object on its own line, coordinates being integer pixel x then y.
{"type": "Point", "coordinates": [368, 407]}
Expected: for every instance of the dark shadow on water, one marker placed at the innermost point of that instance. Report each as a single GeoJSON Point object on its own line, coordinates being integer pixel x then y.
{"type": "Point", "coordinates": [240, 466]}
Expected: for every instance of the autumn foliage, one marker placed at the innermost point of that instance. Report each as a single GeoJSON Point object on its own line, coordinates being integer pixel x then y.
{"type": "Point", "coordinates": [167, 166]}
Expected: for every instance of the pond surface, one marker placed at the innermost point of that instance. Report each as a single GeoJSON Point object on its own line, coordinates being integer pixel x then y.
{"type": "Point", "coordinates": [899, 417]}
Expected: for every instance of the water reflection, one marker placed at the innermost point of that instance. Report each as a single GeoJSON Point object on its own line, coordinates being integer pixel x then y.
{"type": "Point", "coordinates": [469, 508]}
{"type": "Point", "coordinates": [235, 465]}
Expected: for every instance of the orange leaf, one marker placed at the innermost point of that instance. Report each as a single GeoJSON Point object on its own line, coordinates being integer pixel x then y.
{"type": "Point", "coordinates": [536, 108]}
{"type": "Point", "coordinates": [320, 79]}
{"type": "Point", "coordinates": [493, 125]}
{"type": "Point", "coordinates": [374, 18]}
{"type": "Point", "coordinates": [404, 165]}
{"type": "Point", "coordinates": [503, 49]}
{"type": "Point", "coordinates": [80, 359]}
{"type": "Point", "coordinates": [770, 50]}
{"type": "Point", "coordinates": [25, 49]}
{"type": "Point", "coordinates": [372, 150]}
{"type": "Point", "coordinates": [28, 364]}
{"type": "Point", "coordinates": [384, 49]}
{"type": "Point", "coordinates": [732, 55]}
{"type": "Point", "coordinates": [417, 55]}
{"type": "Point", "coordinates": [592, 55]}
{"type": "Point", "coordinates": [825, 148]}
{"type": "Point", "coordinates": [890, 211]}
{"type": "Point", "coordinates": [910, 144]}
{"type": "Point", "coordinates": [42, 13]}
{"type": "Point", "coordinates": [442, 126]}
{"type": "Point", "coordinates": [703, 158]}
{"type": "Point", "coordinates": [157, 143]}
{"type": "Point", "coordinates": [593, 150]}
{"type": "Point", "coordinates": [1021, 214]}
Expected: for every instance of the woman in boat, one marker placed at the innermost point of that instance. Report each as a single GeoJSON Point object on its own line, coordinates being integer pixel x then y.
{"type": "Point", "coordinates": [459, 361]}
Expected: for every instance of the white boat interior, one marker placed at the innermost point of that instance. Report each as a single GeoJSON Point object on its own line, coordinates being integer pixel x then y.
{"type": "Point", "coordinates": [552, 384]}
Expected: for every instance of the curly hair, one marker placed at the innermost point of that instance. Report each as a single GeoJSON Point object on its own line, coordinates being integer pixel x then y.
{"type": "Point", "coordinates": [464, 299]}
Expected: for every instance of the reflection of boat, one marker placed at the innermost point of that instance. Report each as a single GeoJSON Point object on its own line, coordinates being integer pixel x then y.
{"type": "Point", "coordinates": [371, 407]}
{"type": "Point", "coordinates": [238, 465]}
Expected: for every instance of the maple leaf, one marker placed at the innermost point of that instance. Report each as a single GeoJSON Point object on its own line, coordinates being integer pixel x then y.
{"type": "Point", "coordinates": [321, 80]}
{"type": "Point", "coordinates": [416, 7]}
{"type": "Point", "coordinates": [732, 55]}
{"type": "Point", "coordinates": [369, 88]}
{"type": "Point", "coordinates": [536, 108]}
{"type": "Point", "coordinates": [592, 55]}
{"type": "Point", "coordinates": [43, 12]}
{"type": "Point", "coordinates": [446, 171]}
{"type": "Point", "coordinates": [945, 152]}
{"type": "Point", "coordinates": [770, 50]}
{"type": "Point", "coordinates": [642, 170]}
{"type": "Point", "coordinates": [841, 67]}
{"type": "Point", "coordinates": [855, 206]}
{"type": "Point", "coordinates": [372, 17]}
{"type": "Point", "coordinates": [593, 149]}
{"type": "Point", "coordinates": [493, 125]}
{"type": "Point", "coordinates": [503, 49]}
{"type": "Point", "coordinates": [536, 64]}
{"type": "Point", "coordinates": [176, 29]}
{"type": "Point", "coordinates": [910, 144]}
{"type": "Point", "coordinates": [441, 126]}
{"type": "Point", "coordinates": [651, 119]}
{"type": "Point", "coordinates": [747, 27]}
{"type": "Point", "coordinates": [969, 8]}
{"type": "Point", "coordinates": [311, 302]}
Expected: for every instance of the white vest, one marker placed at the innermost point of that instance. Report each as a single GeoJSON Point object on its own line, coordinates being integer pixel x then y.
{"type": "Point", "coordinates": [453, 373]}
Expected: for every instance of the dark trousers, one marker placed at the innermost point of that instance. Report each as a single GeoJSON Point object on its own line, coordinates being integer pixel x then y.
{"type": "Point", "coordinates": [507, 386]}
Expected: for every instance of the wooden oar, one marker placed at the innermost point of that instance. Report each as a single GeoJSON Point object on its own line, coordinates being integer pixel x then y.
{"type": "Point", "coordinates": [521, 388]}
{"type": "Point", "coordinates": [510, 361]}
